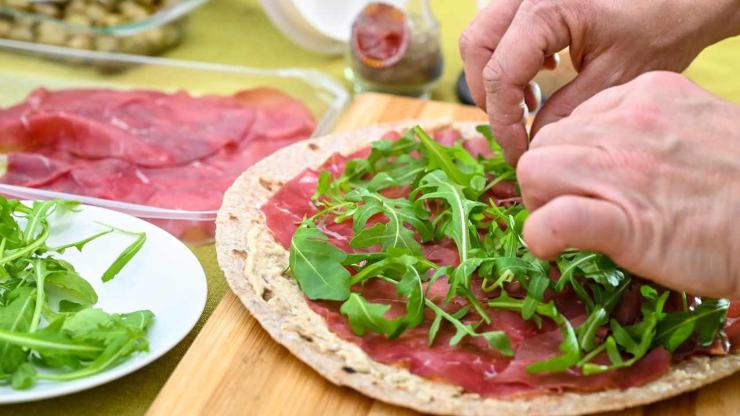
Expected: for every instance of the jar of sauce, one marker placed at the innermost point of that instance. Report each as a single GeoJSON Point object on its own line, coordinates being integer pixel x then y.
{"type": "Point", "coordinates": [395, 51]}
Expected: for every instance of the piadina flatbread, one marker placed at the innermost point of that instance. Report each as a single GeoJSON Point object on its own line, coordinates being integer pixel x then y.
{"type": "Point", "coordinates": [255, 265]}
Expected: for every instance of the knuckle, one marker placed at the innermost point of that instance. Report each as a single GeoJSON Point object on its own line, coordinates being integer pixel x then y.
{"type": "Point", "coordinates": [627, 168]}
{"type": "Point", "coordinates": [643, 117]}
{"type": "Point", "coordinates": [493, 74]}
{"type": "Point", "coordinates": [662, 79]}
{"type": "Point", "coordinates": [465, 42]}
{"type": "Point", "coordinates": [543, 12]}
{"type": "Point", "coordinates": [539, 8]}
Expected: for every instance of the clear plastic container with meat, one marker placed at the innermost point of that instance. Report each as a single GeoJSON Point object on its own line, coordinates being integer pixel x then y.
{"type": "Point", "coordinates": [156, 138]}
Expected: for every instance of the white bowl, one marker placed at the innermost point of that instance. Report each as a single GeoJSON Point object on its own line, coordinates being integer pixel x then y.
{"type": "Point", "coordinates": [321, 26]}
{"type": "Point", "coordinates": [294, 26]}
{"type": "Point", "coordinates": [333, 18]}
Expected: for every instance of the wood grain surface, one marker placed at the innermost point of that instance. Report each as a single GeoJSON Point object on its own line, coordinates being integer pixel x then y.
{"type": "Point", "coordinates": [234, 368]}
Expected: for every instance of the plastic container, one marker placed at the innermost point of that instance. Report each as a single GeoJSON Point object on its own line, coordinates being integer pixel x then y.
{"type": "Point", "coordinates": [126, 26]}
{"type": "Point", "coordinates": [21, 71]}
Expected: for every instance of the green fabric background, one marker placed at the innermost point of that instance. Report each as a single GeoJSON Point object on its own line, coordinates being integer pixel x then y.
{"type": "Point", "coordinates": [238, 32]}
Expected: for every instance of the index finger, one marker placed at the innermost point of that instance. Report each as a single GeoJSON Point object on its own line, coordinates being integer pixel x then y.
{"type": "Point", "coordinates": [538, 30]}
{"type": "Point", "coordinates": [479, 40]}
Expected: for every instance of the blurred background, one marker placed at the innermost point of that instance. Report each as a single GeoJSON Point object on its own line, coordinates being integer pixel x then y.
{"type": "Point", "coordinates": [287, 33]}
{"type": "Point", "coordinates": [239, 32]}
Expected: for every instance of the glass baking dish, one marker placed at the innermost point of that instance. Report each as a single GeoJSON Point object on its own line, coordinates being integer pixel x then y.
{"type": "Point", "coordinates": [144, 27]}
{"type": "Point", "coordinates": [27, 66]}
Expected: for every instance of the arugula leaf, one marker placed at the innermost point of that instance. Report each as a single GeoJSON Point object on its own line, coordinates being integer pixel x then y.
{"type": "Point", "coordinates": [439, 158]}
{"type": "Point", "coordinates": [39, 268]}
{"type": "Point", "coordinates": [538, 283]}
{"type": "Point", "coordinates": [394, 233]}
{"type": "Point", "coordinates": [32, 333]}
{"type": "Point", "coordinates": [599, 316]}
{"type": "Point", "coordinates": [569, 348]}
{"type": "Point", "coordinates": [23, 377]}
{"type": "Point", "coordinates": [113, 353]}
{"type": "Point", "coordinates": [317, 264]}
{"type": "Point", "coordinates": [69, 306]}
{"type": "Point", "coordinates": [706, 321]}
{"type": "Point", "coordinates": [16, 317]}
{"type": "Point", "coordinates": [125, 257]}
{"type": "Point", "coordinates": [436, 185]}
{"type": "Point", "coordinates": [62, 276]}
{"type": "Point", "coordinates": [47, 342]}
{"type": "Point", "coordinates": [396, 263]}
{"type": "Point", "coordinates": [37, 218]}
{"type": "Point", "coordinates": [410, 286]}
{"type": "Point", "coordinates": [364, 315]}
{"type": "Point", "coordinates": [79, 245]}
{"type": "Point", "coordinates": [496, 339]}
{"type": "Point", "coordinates": [592, 265]}
{"type": "Point", "coordinates": [504, 301]}
{"type": "Point", "coordinates": [496, 165]}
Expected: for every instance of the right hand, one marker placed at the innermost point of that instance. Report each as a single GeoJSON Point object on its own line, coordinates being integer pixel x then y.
{"type": "Point", "coordinates": [611, 42]}
{"type": "Point", "coordinates": [647, 173]}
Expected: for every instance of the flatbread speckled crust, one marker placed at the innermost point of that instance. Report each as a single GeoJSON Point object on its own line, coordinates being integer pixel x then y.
{"type": "Point", "coordinates": [254, 264]}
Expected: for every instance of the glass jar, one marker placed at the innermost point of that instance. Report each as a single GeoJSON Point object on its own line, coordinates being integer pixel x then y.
{"type": "Point", "coordinates": [395, 51]}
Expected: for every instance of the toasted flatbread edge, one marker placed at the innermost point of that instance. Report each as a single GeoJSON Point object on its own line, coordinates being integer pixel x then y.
{"type": "Point", "coordinates": [254, 264]}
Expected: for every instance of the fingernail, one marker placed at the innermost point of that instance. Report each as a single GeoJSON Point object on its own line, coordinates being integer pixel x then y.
{"type": "Point", "coordinates": [525, 112]}
{"type": "Point", "coordinates": [537, 93]}
{"type": "Point", "coordinates": [556, 58]}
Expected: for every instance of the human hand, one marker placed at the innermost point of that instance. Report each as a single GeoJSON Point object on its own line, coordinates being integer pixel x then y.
{"type": "Point", "coordinates": [647, 173]}
{"type": "Point", "coordinates": [610, 43]}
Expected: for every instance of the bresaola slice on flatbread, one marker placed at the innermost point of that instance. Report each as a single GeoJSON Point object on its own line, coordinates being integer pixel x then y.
{"type": "Point", "coordinates": [476, 375]}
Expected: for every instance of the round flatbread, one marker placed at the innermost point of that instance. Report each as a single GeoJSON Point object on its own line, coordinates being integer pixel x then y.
{"type": "Point", "coordinates": [255, 263]}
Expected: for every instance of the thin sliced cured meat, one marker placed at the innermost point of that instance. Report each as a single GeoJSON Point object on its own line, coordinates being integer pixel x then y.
{"type": "Point", "coordinates": [33, 169]}
{"type": "Point", "coordinates": [145, 127]}
{"type": "Point", "coordinates": [164, 150]}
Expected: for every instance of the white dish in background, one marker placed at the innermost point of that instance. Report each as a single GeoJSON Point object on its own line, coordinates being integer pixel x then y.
{"type": "Point", "coordinates": [333, 18]}
{"type": "Point", "coordinates": [285, 16]}
{"type": "Point", "coordinates": [321, 26]}
{"type": "Point", "coordinates": [164, 277]}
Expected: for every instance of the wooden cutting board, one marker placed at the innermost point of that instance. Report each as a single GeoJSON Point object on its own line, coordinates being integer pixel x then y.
{"type": "Point", "coordinates": [234, 367]}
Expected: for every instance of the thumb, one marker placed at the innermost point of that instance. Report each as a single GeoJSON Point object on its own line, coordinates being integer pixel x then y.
{"type": "Point", "coordinates": [585, 85]}
{"type": "Point", "coordinates": [577, 222]}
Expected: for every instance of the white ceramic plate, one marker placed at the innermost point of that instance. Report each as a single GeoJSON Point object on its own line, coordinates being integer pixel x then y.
{"type": "Point", "coordinates": [292, 25]}
{"type": "Point", "coordinates": [164, 277]}
{"type": "Point", "coordinates": [333, 18]}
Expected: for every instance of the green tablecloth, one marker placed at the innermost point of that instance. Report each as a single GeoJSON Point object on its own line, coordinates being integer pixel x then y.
{"type": "Point", "coordinates": [238, 32]}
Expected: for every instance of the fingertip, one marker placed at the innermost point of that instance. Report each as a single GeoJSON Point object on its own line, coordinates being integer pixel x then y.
{"type": "Point", "coordinates": [536, 237]}
{"type": "Point", "coordinates": [513, 141]}
{"type": "Point", "coordinates": [578, 222]}
{"type": "Point", "coordinates": [476, 89]}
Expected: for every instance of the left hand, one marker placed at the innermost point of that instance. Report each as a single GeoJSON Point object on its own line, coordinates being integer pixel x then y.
{"type": "Point", "coordinates": [647, 173]}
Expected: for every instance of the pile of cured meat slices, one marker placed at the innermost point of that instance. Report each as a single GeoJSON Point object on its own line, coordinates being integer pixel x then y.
{"type": "Point", "coordinates": [157, 149]}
